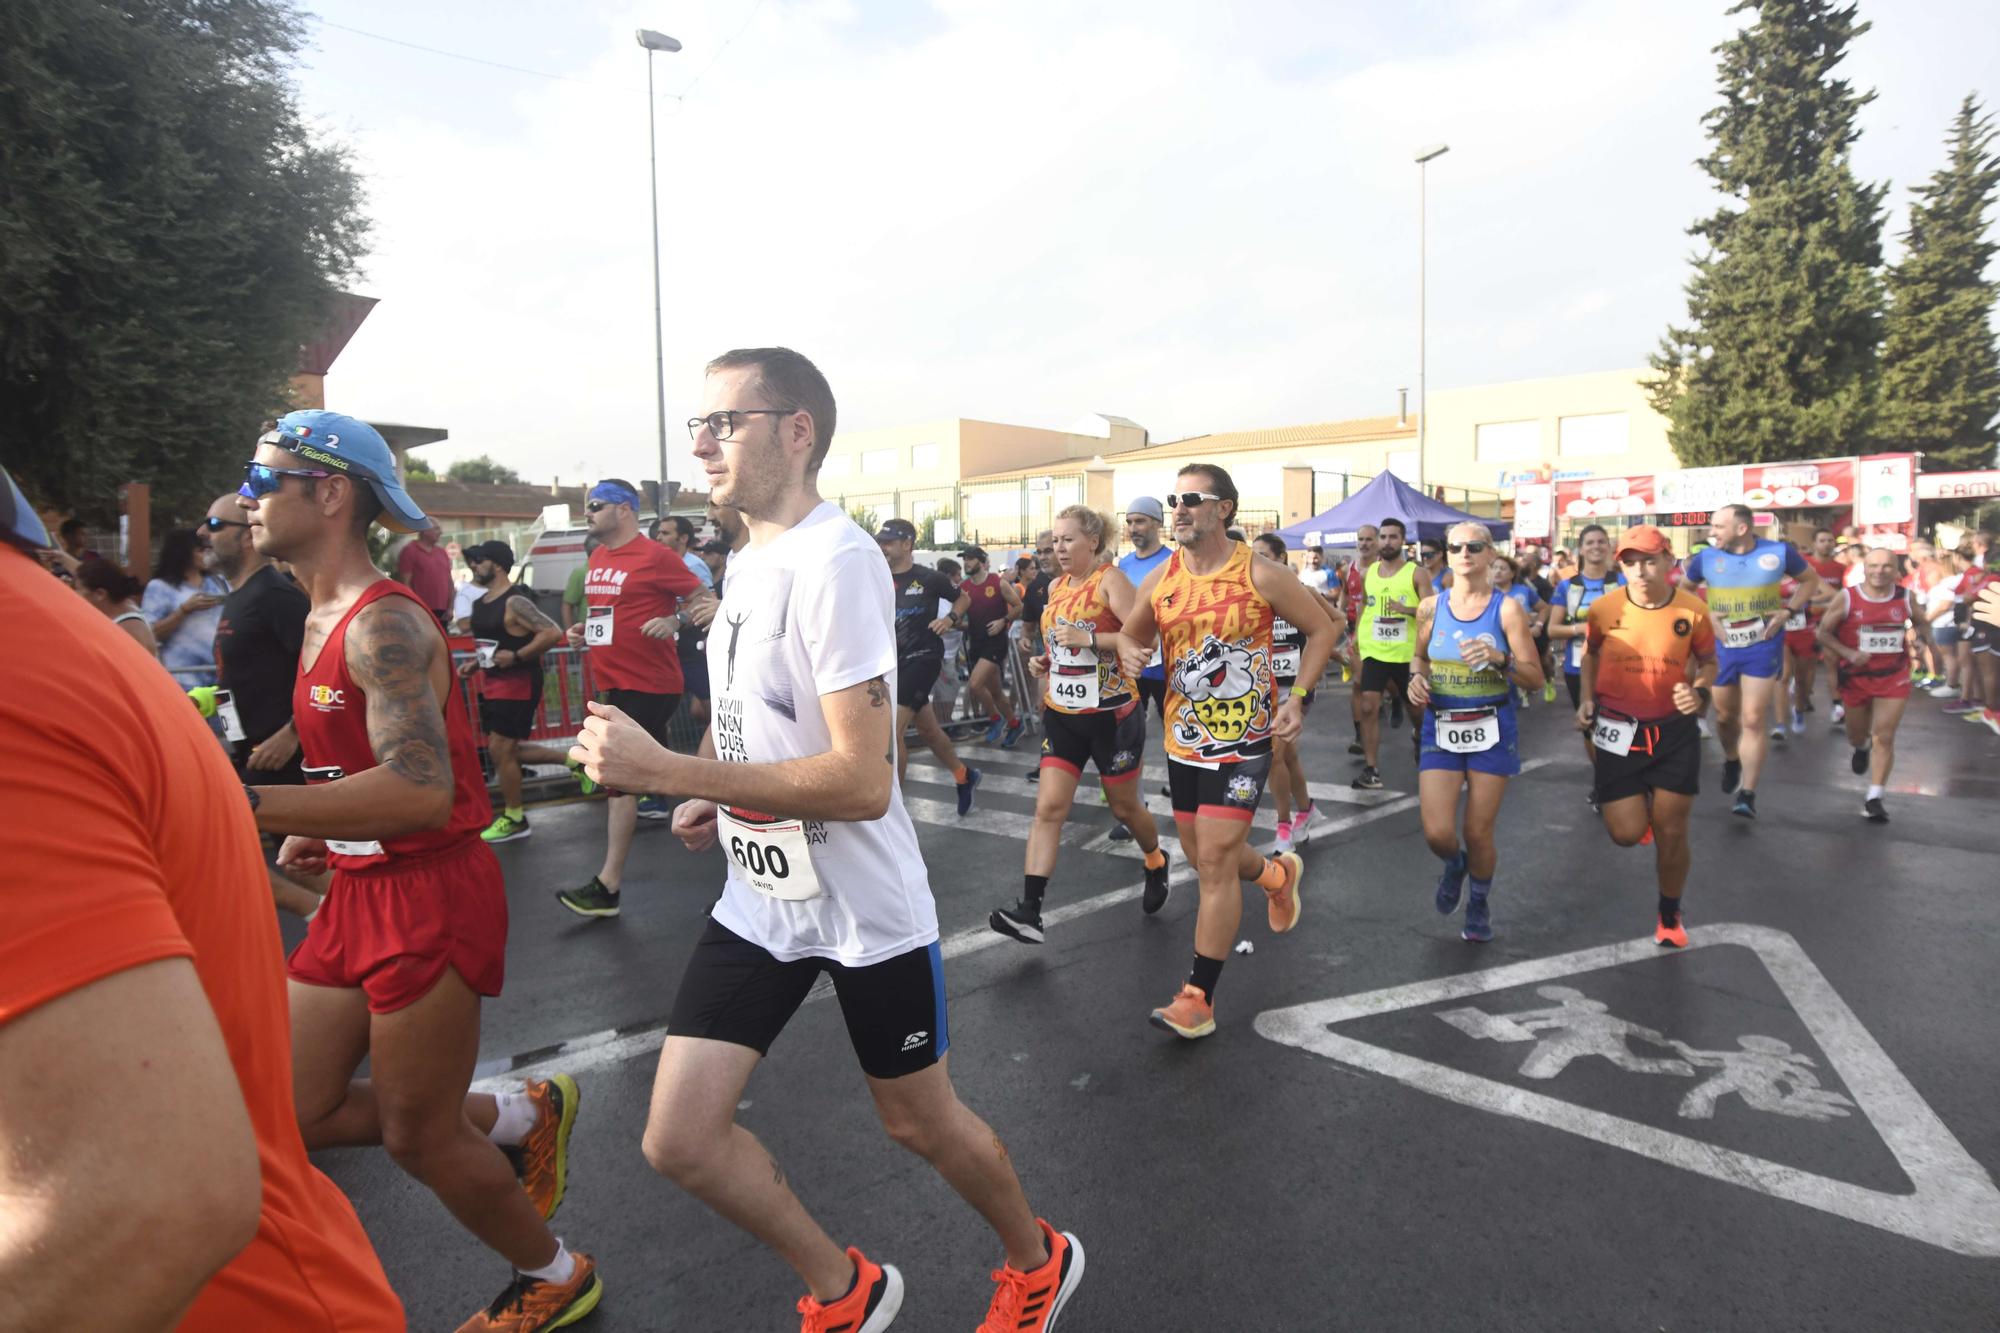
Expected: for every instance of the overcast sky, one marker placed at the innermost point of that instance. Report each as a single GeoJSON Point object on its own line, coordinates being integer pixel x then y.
{"type": "Point", "coordinates": [1199, 216]}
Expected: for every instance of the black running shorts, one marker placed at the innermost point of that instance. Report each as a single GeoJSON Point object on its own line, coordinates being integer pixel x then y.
{"type": "Point", "coordinates": [651, 711]}
{"type": "Point", "coordinates": [915, 678]}
{"type": "Point", "coordinates": [992, 649]}
{"type": "Point", "coordinates": [735, 991]}
{"type": "Point", "coordinates": [1666, 756]}
{"type": "Point", "coordinates": [513, 718]}
{"type": "Point", "coordinates": [1153, 692]}
{"type": "Point", "coordinates": [1230, 791]}
{"type": "Point", "coordinates": [1377, 676]}
{"type": "Point", "coordinates": [1114, 739]}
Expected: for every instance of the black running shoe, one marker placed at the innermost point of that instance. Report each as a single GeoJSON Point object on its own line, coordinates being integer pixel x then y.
{"type": "Point", "coordinates": [1018, 922]}
{"type": "Point", "coordinates": [1119, 833]}
{"type": "Point", "coordinates": [1356, 747]}
{"type": "Point", "coordinates": [1369, 780]}
{"type": "Point", "coordinates": [1858, 762]}
{"type": "Point", "coordinates": [1872, 811]}
{"type": "Point", "coordinates": [1157, 888]}
{"type": "Point", "coordinates": [1732, 773]}
{"type": "Point", "coordinates": [593, 899]}
{"type": "Point", "coordinates": [1746, 805]}
{"type": "Point", "coordinates": [972, 776]}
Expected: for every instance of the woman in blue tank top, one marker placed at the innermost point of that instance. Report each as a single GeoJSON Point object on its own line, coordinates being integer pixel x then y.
{"type": "Point", "coordinates": [1475, 647]}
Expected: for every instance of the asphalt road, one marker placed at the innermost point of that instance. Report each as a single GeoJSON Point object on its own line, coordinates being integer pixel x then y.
{"type": "Point", "coordinates": [1789, 1126]}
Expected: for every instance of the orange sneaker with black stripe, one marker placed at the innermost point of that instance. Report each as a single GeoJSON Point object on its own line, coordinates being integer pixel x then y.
{"type": "Point", "coordinates": [544, 1154]}
{"type": "Point", "coordinates": [869, 1307]}
{"type": "Point", "coordinates": [1283, 902]}
{"type": "Point", "coordinates": [530, 1305]}
{"type": "Point", "coordinates": [1031, 1302]}
{"type": "Point", "coordinates": [1671, 937]}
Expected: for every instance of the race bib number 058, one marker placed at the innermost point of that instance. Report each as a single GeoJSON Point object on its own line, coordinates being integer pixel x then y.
{"type": "Point", "coordinates": [1743, 634]}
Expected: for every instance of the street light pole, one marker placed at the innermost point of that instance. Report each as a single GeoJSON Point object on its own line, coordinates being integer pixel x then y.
{"type": "Point", "coordinates": [1424, 155]}
{"type": "Point", "coordinates": [657, 41]}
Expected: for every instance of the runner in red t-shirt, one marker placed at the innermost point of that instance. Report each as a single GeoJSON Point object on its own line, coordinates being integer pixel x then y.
{"type": "Point", "coordinates": [1866, 635]}
{"type": "Point", "coordinates": [145, 1072]}
{"type": "Point", "coordinates": [1801, 633]}
{"type": "Point", "coordinates": [413, 930]}
{"type": "Point", "coordinates": [630, 627]}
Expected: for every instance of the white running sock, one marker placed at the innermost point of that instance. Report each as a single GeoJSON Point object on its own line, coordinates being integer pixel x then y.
{"type": "Point", "coordinates": [561, 1268]}
{"type": "Point", "coordinates": [516, 1118]}
{"type": "Point", "coordinates": [1874, 793]}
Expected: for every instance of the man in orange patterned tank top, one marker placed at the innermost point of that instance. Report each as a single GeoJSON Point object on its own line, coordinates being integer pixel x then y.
{"type": "Point", "coordinates": [1211, 607]}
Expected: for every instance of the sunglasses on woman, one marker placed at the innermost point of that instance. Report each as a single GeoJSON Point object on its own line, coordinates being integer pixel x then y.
{"type": "Point", "coordinates": [1189, 499]}
{"type": "Point", "coordinates": [259, 480]}
{"type": "Point", "coordinates": [1470, 548]}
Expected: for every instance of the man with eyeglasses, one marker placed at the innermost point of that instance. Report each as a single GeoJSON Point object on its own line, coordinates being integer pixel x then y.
{"type": "Point", "coordinates": [1212, 609]}
{"type": "Point", "coordinates": [413, 932]}
{"type": "Point", "coordinates": [1393, 589]}
{"type": "Point", "coordinates": [796, 779]}
{"type": "Point", "coordinates": [629, 631]}
{"type": "Point", "coordinates": [257, 655]}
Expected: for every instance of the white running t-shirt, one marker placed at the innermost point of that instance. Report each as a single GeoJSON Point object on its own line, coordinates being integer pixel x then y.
{"type": "Point", "coordinates": [805, 615]}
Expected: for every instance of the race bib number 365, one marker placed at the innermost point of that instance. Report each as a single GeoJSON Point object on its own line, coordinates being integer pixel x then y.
{"type": "Point", "coordinates": [1390, 631]}
{"type": "Point", "coordinates": [773, 855]}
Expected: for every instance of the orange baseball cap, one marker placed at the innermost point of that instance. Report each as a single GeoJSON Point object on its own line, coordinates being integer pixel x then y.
{"type": "Point", "coordinates": [1645, 539]}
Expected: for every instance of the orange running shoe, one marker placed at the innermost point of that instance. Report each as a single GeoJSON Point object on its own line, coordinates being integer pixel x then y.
{"type": "Point", "coordinates": [1030, 1302]}
{"type": "Point", "coordinates": [1283, 902]}
{"type": "Point", "coordinates": [1191, 1014]}
{"type": "Point", "coordinates": [530, 1305]}
{"type": "Point", "coordinates": [869, 1308]}
{"type": "Point", "coordinates": [1671, 937]}
{"type": "Point", "coordinates": [545, 1152]}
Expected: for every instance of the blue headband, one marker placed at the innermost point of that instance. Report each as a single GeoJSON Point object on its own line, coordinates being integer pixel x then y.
{"type": "Point", "coordinates": [612, 492]}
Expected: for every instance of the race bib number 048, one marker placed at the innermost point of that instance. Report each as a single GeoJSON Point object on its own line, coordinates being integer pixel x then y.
{"type": "Point", "coordinates": [1613, 735]}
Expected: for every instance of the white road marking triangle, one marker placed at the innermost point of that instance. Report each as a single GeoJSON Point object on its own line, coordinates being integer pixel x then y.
{"type": "Point", "coordinates": [1955, 1205]}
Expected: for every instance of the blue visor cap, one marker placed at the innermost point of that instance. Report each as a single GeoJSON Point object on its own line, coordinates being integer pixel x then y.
{"type": "Point", "coordinates": [340, 443]}
{"type": "Point", "coordinates": [19, 523]}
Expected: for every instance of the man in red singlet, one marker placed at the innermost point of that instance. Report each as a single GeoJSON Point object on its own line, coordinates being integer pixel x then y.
{"type": "Point", "coordinates": [413, 930]}
{"type": "Point", "coordinates": [1864, 633]}
{"type": "Point", "coordinates": [1801, 638]}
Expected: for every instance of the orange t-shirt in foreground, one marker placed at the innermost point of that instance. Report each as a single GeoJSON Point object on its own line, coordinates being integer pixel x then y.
{"type": "Point", "coordinates": [1642, 654]}
{"type": "Point", "coordinates": [115, 789]}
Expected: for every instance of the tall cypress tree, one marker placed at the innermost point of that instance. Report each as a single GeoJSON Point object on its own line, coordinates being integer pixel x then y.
{"type": "Point", "coordinates": [1777, 359]}
{"type": "Point", "coordinates": [1940, 368]}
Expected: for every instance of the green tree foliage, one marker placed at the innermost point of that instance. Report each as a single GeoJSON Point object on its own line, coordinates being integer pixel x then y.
{"type": "Point", "coordinates": [481, 470]}
{"type": "Point", "coordinates": [1940, 371]}
{"type": "Point", "coordinates": [418, 469]}
{"type": "Point", "coordinates": [1777, 359]}
{"type": "Point", "coordinates": [170, 235]}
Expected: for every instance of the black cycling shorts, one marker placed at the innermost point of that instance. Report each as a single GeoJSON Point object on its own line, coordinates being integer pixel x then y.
{"type": "Point", "coordinates": [1114, 739]}
{"type": "Point", "coordinates": [992, 649]}
{"type": "Point", "coordinates": [1666, 756]}
{"type": "Point", "coordinates": [1377, 676]}
{"type": "Point", "coordinates": [735, 991]}
{"type": "Point", "coordinates": [1228, 791]}
{"type": "Point", "coordinates": [1153, 692]}
{"type": "Point", "coordinates": [915, 678]}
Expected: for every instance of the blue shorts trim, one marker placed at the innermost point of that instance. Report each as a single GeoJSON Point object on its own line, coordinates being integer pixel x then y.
{"type": "Point", "coordinates": [1503, 760]}
{"type": "Point", "coordinates": [942, 1043]}
{"type": "Point", "coordinates": [1764, 661]}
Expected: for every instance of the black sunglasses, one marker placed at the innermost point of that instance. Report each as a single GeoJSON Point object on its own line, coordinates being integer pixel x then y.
{"type": "Point", "coordinates": [1470, 548]}
{"type": "Point", "coordinates": [214, 524]}
{"type": "Point", "coordinates": [1189, 499]}
{"type": "Point", "coordinates": [596, 505]}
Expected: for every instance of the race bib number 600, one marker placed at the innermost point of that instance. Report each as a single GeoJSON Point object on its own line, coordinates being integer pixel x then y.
{"type": "Point", "coordinates": [772, 855]}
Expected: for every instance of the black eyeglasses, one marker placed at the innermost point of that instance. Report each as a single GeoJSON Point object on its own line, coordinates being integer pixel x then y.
{"type": "Point", "coordinates": [1470, 548]}
{"type": "Point", "coordinates": [1189, 499]}
{"type": "Point", "coordinates": [214, 524]}
{"type": "Point", "coordinates": [722, 425]}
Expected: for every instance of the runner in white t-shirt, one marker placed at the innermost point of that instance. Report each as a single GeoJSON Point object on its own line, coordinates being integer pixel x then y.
{"type": "Point", "coordinates": [797, 780]}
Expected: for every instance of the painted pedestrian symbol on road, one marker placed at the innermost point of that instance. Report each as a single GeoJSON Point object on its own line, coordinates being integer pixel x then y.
{"type": "Point", "coordinates": [1953, 1203]}
{"type": "Point", "coordinates": [1767, 1074]}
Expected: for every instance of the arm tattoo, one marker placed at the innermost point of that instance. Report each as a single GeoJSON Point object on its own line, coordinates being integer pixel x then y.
{"type": "Point", "coordinates": [878, 693]}
{"type": "Point", "coordinates": [524, 617]}
{"type": "Point", "coordinates": [390, 653]}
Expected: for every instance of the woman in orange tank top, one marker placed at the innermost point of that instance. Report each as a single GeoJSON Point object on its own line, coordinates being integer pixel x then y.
{"type": "Point", "coordinates": [1090, 715]}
